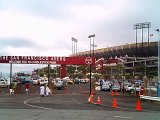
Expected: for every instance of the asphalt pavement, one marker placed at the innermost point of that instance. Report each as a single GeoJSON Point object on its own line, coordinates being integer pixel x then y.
{"type": "Point", "coordinates": [72, 103]}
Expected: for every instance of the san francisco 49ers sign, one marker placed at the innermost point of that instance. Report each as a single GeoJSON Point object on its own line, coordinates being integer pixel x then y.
{"type": "Point", "coordinates": [46, 60]}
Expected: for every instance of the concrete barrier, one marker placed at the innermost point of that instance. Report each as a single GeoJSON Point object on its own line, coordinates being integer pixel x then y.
{"type": "Point", "coordinates": [150, 98]}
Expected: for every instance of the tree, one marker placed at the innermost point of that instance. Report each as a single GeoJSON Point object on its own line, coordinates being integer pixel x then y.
{"type": "Point", "coordinates": [96, 76]}
{"type": "Point", "coordinates": [21, 74]}
{"type": "Point", "coordinates": [80, 75]}
{"type": "Point", "coordinates": [107, 76]}
{"type": "Point", "coordinates": [140, 70]}
{"type": "Point", "coordinates": [107, 69]}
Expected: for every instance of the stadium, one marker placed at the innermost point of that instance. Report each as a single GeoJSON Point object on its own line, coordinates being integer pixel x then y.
{"type": "Point", "coordinates": [138, 60]}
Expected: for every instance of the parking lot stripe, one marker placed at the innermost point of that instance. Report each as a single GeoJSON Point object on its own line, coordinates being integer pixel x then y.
{"type": "Point", "coordinates": [123, 117]}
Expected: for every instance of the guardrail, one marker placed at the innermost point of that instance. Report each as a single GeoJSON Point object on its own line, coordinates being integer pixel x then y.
{"type": "Point", "coordinates": [150, 98]}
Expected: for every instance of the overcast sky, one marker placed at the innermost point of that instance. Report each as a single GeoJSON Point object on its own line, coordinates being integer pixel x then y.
{"type": "Point", "coordinates": [45, 27]}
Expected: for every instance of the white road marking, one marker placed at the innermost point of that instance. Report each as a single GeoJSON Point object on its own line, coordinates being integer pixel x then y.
{"type": "Point", "coordinates": [25, 102]}
{"type": "Point", "coordinates": [123, 117]}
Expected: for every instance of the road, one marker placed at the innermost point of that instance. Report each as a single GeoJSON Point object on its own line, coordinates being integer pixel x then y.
{"type": "Point", "coordinates": [72, 103]}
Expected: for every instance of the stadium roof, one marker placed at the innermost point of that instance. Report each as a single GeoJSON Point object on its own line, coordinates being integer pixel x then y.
{"type": "Point", "coordinates": [143, 50]}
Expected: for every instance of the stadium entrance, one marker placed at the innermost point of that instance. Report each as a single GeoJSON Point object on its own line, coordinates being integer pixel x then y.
{"type": "Point", "coordinates": [50, 60]}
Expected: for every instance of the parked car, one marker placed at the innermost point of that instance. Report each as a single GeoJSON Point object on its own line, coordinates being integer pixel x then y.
{"type": "Point", "coordinates": [129, 87]}
{"type": "Point", "coordinates": [59, 84]}
{"type": "Point", "coordinates": [106, 85]}
{"type": "Point", "coordinates": [136, 88]}
{"type": "Point", "coordinates": [77, 81]}
{"type": "Point", "coordinates": [126, 85]}
{"type": "Point", "coordinates": [68, 80]}
{"type": "Point", "coordinates": [3, 82]}
{"type": "Point", "coordinates": [26, 81]}
{"type": "Point", "coordinates": [83, 81]}
{"type": "Point", "coordinates": [116, 86]}
{"type": "Point", "coordinates": [16, 81]}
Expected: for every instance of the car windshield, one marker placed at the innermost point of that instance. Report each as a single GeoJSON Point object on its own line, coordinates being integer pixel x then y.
{"type": "Point", "coordinates": [129, 85]}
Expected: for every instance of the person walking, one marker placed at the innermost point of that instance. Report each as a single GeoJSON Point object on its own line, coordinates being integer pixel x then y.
{"type": "Point", "coordinates": [47, 91]}
{"type": "Point", "coordinates": [42, 90]}
{"type": "Point", "coordinates": [27, 87]}
{"type": "Point", "coordinates": [15, 87]}
{"type": "Point", "coordinates": [38, 82]}
{"type": "Point", "coordinates": [123, 89]}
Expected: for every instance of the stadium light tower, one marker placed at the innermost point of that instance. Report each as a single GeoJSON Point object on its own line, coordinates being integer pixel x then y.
{"type": "Point", "coordinates": [142, 26]}
{"type": "Point", "coordinates": [74, 47]}
{"type": "Point", "coordinates": [158, 81]}
{"type": "Point", "coordinates": [137, 26]}
{"type": "Point", "coordinates": [90, 68]}
{"type": "Point", "coordinates": [146, 25]}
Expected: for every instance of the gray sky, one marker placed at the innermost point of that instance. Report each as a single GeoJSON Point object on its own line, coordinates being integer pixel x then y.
{"type": "Point", "coordinates": [45, 27]}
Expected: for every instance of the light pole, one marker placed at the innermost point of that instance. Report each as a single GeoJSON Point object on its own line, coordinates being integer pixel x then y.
{"type": "Point", "coordinates": [94, 47]}
{"type": "Point", "coordinates": [10, 76]}
{"type": "Point", "coordinates": [146, 25]}
{"type": "Point", "coordinates": [48, 73]}
{"type": "Point", "coordinates": [74, 47]}
{"type": "Point", "coordinates": [158, 81]}
{"type": "Point", "coordinates": [90, 68]}
{"type": "Point", "coordinates": [1, 69]}
{"type": "Point", "coordinates": [137, 26]}
{"type": "Point", "coordinates": [142, 26]}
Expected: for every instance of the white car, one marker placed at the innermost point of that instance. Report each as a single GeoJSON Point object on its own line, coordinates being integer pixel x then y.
{"type": "Point", "coordinates": [3, 82]}
{"type": "Point", "coordinates": [106, 85]}
{"type": "Point", "coordinates": [132, 88]}
{"type": "Point", "coordinates": [136, 88]}
{"type": "Point", "coordinates": [129, 87]}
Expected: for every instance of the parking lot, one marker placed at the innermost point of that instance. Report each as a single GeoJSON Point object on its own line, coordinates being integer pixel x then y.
{"type": "Point", "coordinates": [75, 97]}
{"type": "Point", "coordinates": [72, 103]}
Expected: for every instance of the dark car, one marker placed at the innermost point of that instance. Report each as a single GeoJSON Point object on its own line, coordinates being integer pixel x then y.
{"type": "Point", "coordinates": [24, 81]}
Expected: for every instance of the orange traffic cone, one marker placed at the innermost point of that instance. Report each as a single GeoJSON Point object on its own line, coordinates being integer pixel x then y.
{"type": "Point", "coordinates": [90, 99]}
{"type": "Point", "coordinates": [112, 93]}
{"type": "Point", "coordinates": [98, 101]}
{"type": "Point", "coordinates": [117, 93]}
{"type": "Point", "coordinates": [114, 103]}
{"type": "Point", "coordinates": [138, 107]}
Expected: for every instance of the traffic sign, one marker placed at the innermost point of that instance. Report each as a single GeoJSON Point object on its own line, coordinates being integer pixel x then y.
{"type": "Point", "coordinates": [88, 60]}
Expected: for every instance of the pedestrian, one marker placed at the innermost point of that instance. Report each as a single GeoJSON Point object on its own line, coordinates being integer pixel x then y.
{"type": "Point", "coordinates": [42, 90]}
{"type": "Point", "coordinates": [48, 91]}
{"type": "Point", "coordinates": [27, 87]}
{"type": "Point", "coordinates": [123, 90]}
{"type": "Point", "coordinates": [101, 83]}
{"type": "Point", "coordinates": [15, 87]}
{"type": "Point", "coordinates": [38, 83]}
{"type": "Point", "coordinates": [11, 90]}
